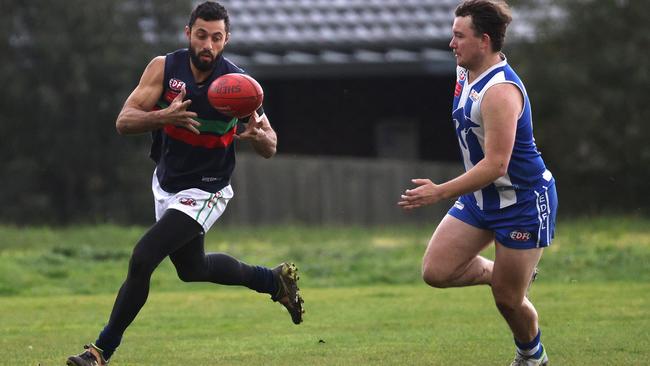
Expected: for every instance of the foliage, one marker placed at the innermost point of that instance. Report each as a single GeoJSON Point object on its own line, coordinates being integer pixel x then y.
{"type": "Point", "coordinates": [67, 68]}
{"type": "Point", "coordinates": [588, 74]}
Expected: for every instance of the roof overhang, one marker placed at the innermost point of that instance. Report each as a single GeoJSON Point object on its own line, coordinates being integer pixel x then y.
{"type": "Point", "coordinates": [350, 63]}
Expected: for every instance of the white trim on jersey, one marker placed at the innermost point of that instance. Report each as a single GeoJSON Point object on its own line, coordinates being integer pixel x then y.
{"type": "Point", "coordinates": [478, 195]}
{"type": "Point", "coordinates": [506, 197]}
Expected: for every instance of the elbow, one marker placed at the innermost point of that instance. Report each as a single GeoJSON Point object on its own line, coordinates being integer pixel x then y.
{"type": "Point", "coordinates": [121, 124]}
{"type": "Point", "coordinates": [120, 127]}
{"type": "Point", "coordinates": [501, 170]}
{"type": "Point", "coordinates": [497, 168]}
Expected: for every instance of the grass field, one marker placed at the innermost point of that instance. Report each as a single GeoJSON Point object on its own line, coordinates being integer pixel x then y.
{"type": "Point", "coordinates": [365, 302]}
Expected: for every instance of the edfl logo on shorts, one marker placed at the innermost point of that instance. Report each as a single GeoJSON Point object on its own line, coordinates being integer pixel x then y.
{"type": "Point", "coordinates": [517, 235]}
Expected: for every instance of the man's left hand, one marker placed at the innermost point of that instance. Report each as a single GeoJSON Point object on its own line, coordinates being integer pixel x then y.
{"type": "Point", "coordinates": [254, 129]}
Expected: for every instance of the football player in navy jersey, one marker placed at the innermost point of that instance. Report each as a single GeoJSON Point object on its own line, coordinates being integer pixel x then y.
{"type": "Point", "coordinates": [506, 195]}
{"type": "Point", "coordinates": [194, 154]}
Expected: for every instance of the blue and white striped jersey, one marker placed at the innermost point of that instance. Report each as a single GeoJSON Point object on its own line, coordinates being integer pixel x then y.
{"type": "Point", "coordinates": [526, 169]}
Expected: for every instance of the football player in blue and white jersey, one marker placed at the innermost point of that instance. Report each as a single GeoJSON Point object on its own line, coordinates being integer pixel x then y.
{"type": "Point", "coordinates": [506, 195]}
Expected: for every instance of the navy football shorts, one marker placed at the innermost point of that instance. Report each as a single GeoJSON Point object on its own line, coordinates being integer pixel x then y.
{"type": "Point", "coordinates": [525, 225]}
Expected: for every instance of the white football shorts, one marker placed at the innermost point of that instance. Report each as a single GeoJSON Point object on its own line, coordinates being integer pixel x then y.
{"type": "Point", "coordinates": [204, 207]}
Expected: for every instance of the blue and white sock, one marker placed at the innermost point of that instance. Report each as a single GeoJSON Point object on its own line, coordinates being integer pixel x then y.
{"type": "Point", "coordinates": [532, 349]}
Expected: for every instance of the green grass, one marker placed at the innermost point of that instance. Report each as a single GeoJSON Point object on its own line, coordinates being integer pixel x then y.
{"type": "Point", "coordinates": [39, 261]}
{"type": "Point", "coordinates": [584, 324]}
{"type": "Point", "coordinates": [364, 296]}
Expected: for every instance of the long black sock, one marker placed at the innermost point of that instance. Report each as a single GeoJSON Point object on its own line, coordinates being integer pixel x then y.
{"type": "Point", "coordinates": [193, 265]}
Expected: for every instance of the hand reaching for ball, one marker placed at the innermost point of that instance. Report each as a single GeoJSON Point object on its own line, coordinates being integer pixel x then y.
{"type": "Point", "coordinates": [254, 129]}
{"type": "Point", "coordinates": [259, 133]}
{"type": "Point", "coordinates": [178, 115]}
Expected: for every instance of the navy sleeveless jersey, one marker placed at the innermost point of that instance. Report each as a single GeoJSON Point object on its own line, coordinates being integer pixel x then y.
{"type": "Point", "coordinates": [183, 159]}
{"type": "Point", "coordinates": [526, 170]}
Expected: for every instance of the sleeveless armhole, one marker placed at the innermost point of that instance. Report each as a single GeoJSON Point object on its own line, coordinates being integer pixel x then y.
{"type": "Point", "coordinates": [522, 92]}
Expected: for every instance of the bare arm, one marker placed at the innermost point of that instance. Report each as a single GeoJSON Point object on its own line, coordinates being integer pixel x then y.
{"type": "Point", "coordinates": [261, 135]}
{"type": "Point", "coordinates": [137, 115]}
{"type": "Point", "coordinates": [500, 109]}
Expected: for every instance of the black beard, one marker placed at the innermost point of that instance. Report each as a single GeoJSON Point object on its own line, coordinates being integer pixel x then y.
{"type": "Point", "coordinates": [202, 65]}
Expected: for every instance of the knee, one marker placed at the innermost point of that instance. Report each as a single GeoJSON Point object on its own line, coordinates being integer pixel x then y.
{"type": "Point", "coordinates": [141, 264]}
{"type": "Point", "coordinates": [190, 271]}
{"type": "Point", "coordinates": [506, 301]}
{"type": "Point", "coordinates": [434, 276]}
{"type": "Point", "coordinates": [188, 275]}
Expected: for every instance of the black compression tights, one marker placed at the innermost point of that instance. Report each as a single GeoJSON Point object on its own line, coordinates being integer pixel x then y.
{"type": "Point", "coordinates": [181, 238]}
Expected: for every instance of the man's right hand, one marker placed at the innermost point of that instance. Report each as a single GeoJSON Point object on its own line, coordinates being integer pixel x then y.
{"type": "Point", "coordinates": [178, 115]}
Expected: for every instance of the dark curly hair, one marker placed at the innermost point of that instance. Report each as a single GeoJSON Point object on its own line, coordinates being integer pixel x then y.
{"type": "Point", "coordinates": [210, 10]}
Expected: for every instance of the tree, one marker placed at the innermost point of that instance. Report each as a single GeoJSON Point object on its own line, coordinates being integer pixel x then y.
{"type": "Point", "coordinates": [67, 68]}
{"type": "Point", "coordinates": [587, 70]}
